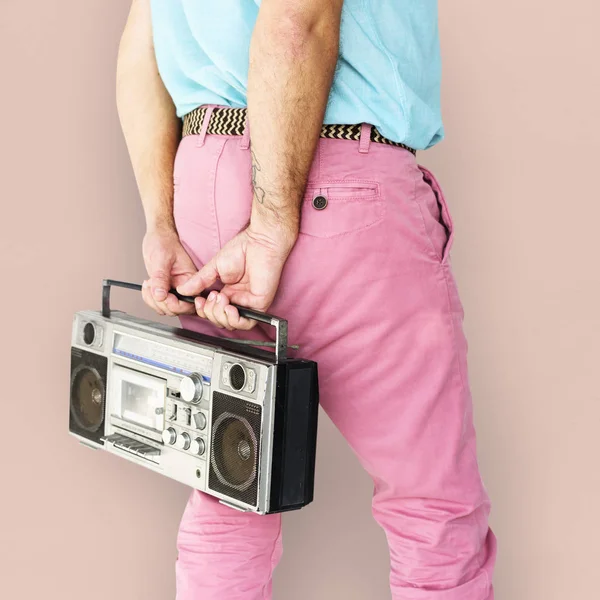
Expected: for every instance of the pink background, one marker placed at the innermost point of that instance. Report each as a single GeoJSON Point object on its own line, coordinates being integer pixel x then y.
{"type": "Point", "coordinates": [521, 100]}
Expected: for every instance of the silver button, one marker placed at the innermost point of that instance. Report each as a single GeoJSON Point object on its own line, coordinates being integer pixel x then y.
{"type": "Point", "coordinates": [200, 420]}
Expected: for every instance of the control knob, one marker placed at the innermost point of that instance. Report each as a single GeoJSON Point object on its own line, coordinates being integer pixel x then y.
{"type": "Point", "coordinates": [200, 420]}
{"type": "Point", "coordinates": [169, 436]}
{"type": "Point", "coordinates": [183, 441]}
{"type": "Point", "coordinates": [198, 446]}
{"type": "Point", "coordinates": [190, 388]}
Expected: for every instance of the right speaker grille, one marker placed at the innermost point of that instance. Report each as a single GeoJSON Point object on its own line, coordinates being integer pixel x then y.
{"type": "Point", "coordinates": [235, 448]}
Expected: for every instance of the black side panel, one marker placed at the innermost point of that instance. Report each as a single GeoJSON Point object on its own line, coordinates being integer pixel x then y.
{"type": "Point", "coordinates": [294, 435]}
{"type": "Point", "coordinates": [87, 403]}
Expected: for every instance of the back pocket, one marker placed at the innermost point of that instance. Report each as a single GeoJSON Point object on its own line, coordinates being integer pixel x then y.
{"type": "Point", "coordinates": [335, 208]}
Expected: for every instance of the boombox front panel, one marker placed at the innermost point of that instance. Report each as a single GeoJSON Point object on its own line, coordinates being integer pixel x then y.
{"type": "Point", "coordinates": [253, 448]}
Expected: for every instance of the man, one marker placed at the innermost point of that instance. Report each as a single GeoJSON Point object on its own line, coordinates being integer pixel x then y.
{"type": "Point", "coordinates": [311, 204]}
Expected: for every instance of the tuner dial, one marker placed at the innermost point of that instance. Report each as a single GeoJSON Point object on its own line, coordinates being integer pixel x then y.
{"type": "Point", "coordinates": [183, 441]}
{"type": "Point", "coordinates": [169, 436]}
{"type": "Point", "coordinates": [198, 446]}
{"type": "Point", "coordinates": [190, 388]}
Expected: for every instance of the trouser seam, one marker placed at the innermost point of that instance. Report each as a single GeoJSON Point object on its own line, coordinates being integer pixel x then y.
{"type": "Point", "coordinates": [271, 568]}
{"type": "Point", "coordinates": [214, 194]}
{"type": "Point", "coordinates": [462, 377]}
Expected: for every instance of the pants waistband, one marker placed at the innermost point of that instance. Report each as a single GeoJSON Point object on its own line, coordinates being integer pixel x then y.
{"type": "Point", "coordinates": [232, 121]}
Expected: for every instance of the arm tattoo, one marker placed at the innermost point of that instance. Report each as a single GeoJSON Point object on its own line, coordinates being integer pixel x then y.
{"type": "Point", "coordinates": [259, 193]}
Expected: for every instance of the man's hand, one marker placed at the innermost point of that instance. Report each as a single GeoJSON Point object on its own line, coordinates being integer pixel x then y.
{"type": "Point", "coordinates": [168, 266]}
{"type": "Point", "coordinates": [152, 133]}
{"type": "Point", "coordinates": [250, 267]}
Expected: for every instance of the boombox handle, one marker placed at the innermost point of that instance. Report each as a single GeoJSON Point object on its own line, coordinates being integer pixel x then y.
{"type": "Point", "coordinates": [281, 325]}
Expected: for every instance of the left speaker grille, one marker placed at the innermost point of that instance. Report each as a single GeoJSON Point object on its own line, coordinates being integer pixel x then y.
{"type": "Point", "coordinates": [87, 398]}
{"type": "Point", "coordinates": [87, 405]}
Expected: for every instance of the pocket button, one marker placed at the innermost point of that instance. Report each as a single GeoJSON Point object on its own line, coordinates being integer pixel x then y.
{"type": "Point", "coordinates": [319, 202]}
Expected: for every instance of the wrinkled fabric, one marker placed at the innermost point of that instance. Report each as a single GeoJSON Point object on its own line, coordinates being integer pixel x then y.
{"type": "Point", "coordinates": [369, 294]}
{"type": "Point", "coordinates": [388, 71]}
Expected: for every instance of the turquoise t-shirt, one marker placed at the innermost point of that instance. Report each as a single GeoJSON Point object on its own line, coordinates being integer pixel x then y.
{"type": "Point", "coordinates": [388, 71]}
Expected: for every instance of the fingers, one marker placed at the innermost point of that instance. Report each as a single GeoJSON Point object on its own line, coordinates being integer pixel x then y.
{"type": "Point", "coordinates": [218, 310]}
{"type": "Point", "coordinates": [171, 307]}
{"type": "Point", "coordinates": [203, 279]}
{"type": "Point", "coordinates": [158, 287]}
{"type": "Point", "coordinates": [178, 307]}
{"type": "Point", "coordinates": [159, 284]}
{"type": "Point", "coordinates": [148, 298]}
{"type": "Point", "coordinates": [237, 322]}
{"type": "Point", "coordinates": [168, 264]}
{"type": "Point", "coordinates": [213, 309]}
{"type": "Point", "coordinates": [162, 308]}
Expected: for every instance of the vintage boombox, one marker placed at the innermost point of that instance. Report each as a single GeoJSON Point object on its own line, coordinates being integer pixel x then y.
{"type": "Point", "coordinates": [223, 416]}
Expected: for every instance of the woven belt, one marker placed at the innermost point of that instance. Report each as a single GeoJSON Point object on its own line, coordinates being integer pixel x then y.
{"type": "Point", "coordinates": [231, 121]}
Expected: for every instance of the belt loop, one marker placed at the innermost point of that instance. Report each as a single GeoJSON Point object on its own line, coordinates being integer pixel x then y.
{"type": "Point", "coordinates": [245, 143]}
{"type": "Point", "coordinates": [205, 121]}
{"type": "Point", "coordinates": [365, 138]}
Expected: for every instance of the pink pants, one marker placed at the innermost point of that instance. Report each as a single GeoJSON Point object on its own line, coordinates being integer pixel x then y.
{"type": "Point", "coordinates": [369, 294]}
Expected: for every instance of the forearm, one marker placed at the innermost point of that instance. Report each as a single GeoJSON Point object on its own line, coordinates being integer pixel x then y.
{"type": "Point", "coordinates": [147, 114]}
{"type": "Point", "coordinates": [292, 62]}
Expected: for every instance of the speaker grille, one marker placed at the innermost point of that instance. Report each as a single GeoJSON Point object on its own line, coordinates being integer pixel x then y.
{"type": "Point", "coordinates": [237, 377]}
{"type": "Point", "coordinates": [235, 448]}
{"type": "Point", "coordinates": [88, 394]}
{"type": "Point", "coordinates": [87, 398]}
